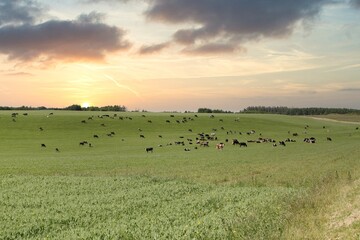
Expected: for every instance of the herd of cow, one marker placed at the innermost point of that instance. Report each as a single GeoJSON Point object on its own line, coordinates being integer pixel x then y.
{"type": "Point", "coordinates": [201, 139]}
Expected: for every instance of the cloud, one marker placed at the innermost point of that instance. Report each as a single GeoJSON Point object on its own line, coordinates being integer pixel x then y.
{"type": "Point", "coordinates": [15, 74]}
{"type": "Point", "coordinates": [19, 11]}
{"type": "Point", "coordinates": [233, 21]}
{"type": "Point", "coordinates": [150, 49]}
{"type": "Point", "coordinates": [83, 39]}
{"type": "Point", "coordinates": [355, 3]}
{"type": "Point", "coordinates": [213, 48]}
{"type": "Point", "coordinates": [350, 90]}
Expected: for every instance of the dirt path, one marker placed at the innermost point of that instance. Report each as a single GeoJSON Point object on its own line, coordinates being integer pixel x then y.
{"type": "Point", "coordinates": [333, 120]}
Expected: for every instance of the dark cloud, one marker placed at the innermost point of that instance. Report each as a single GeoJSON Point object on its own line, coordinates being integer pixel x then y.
{"type": "Point", "coordinates": [82, 39]}
{"type": "Point", "coordinates": [19, 11]}
{"type": "Point", "coordinates": [150, 49]}
{"type": "Point", "coordinates": [355, 3]}
{"type": "Point", "coordinates": [213, 48]}
{"type": "Point", "coordinates": [233, 21]}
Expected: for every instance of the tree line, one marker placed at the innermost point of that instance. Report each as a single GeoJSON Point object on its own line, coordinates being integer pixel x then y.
{"type": "Point", "coordinates": [299, 111]}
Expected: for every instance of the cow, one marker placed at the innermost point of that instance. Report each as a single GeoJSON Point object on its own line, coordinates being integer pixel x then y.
{"type": "Point", "coordinates": [235, 142]}
{"type": "Point", "coordinates": [83, 121]}
{"type": "Point", "coordinates": [282, 143]}
{"type": "Point", "coordinates": [149, 121]}
{"type": "Point", "coordinates": [43, 145]}
{"type": "Point", "coordinates": [149, 149]}
{"type": "Point", "coordinates": [242, 144]}
{"type": "Point", "coordinates": [329, 139]}
{"type": "Point", "coordinates": [220, 146]}
{"type": "Point", "coordinates": [57, 150]}
{"type": "Point", "coordinates": [204, 144]}
{"type": "Point", "coordinates": [142, 136]}
{"type": "Point", "coordinates": [41, 129]}
{"type": "Point", "coordinates": [187, 150]}
{"type": "Point", "coordinates": [96, 136]}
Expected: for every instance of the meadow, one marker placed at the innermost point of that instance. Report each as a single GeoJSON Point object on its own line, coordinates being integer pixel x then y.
{"type": "Point", "coordinates": [114, 189]}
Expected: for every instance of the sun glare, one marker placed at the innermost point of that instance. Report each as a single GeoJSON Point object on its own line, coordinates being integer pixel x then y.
{"type": "Point", "coordinates": [85, 105]}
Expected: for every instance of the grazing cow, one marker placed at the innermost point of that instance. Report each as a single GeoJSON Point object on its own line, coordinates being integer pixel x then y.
{"type": "Point", "coordinates": [149, 121]}
{"type": "Point", "coordinates": [329, 139]}
{"type": "Point", "coordinates": [235, 141]}
{"type": "Point", "coordinates": [140, 130]}
{"type": "Point", "coordinates": [109, 134]}
{"type": "Point", "coordinates": [57, 150]}
{"type": "Point", "coordinates": [149, 149]}
{"type": "Point", "coordinates": [25, 114]}
{"type": "Point", "coordinates": [160, 136]}
{"type": "Point", "coordinates": [113, 133]}
{"type": "Point", "coordinates": [168, 121]}
{"type": "Point", "coordinates": [220, 146]}
{"type": "Point", "coordinates": [83, 121]}
{"type": "Point", "coordinates": [190, 130]}
{"type": "Point", "coordinates": [295, 134]}
{"type": "Point", "coordinates": [96, 136]}
{"type": "Point", "coordinates": [282, 143]}
{"type": "Point", "coordinates": [172, 115]}
{"type": "Point", "coordinates": [196, 115]}
{"type": "Point", "coordinates": [90, 145]}
{"type": "Point", "coordinates": [310, 140]}
{"type": "Point", "coordinates": [143, 115]}
{"type": "Point", "coordinates": [243, 144]}
{"type": "Point", "coordinates": [41, 129]}
{"type": "Point", "coordinates": [274, 145]}
{"type": "Point", "coordinates": [357, 128]}
{"type": "Point", "coordinates": [43, 145]}
{"type": "Point", "coordinates": [142, 136]}
{"type": "Point", "coordinates": [204, 144]}
{"type": "Point", "coordinates": [187, 150]}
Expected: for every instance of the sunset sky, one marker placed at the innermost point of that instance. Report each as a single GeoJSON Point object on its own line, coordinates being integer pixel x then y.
{"type": "Point", "coordinates": [176, 55]}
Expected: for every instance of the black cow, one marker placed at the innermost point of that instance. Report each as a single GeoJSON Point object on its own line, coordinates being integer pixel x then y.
{"type": "Point", "coordinates": [43, 145]}
{"type": "Point", "coordinates": [235, 141]}
{"type": "Point", "coordinates": [57, 150]}
{"type": "Point", "coordinates": [329, 139]}
{"type": "Point", "coordinates": [96, 136]}
{"type": "Point", "coordinates": [282, 143]}
{"type": "Point", "coordinates": [149, 149]}
{"type": "Point", "coordinates": [142, 136]}
{"type": "Point", "coordinates": [242, 144]}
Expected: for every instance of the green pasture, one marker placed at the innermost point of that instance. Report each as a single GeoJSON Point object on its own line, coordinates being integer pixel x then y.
{"type": "Point", "coordinates": [116, 190]}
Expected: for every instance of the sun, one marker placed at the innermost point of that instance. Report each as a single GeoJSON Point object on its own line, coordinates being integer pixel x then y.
{"type": "Point", "coordinates": [85, 105]}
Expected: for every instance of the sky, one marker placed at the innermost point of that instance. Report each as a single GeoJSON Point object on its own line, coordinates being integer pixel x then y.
{"type": "Point", "coordinates": [180, 55]}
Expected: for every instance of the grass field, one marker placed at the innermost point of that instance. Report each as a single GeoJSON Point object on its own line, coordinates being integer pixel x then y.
{"type": "Point", "coordinates": [116, 190]}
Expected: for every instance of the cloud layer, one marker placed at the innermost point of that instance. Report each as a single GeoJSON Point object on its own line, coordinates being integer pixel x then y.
{"type": "Point", "coordinates": [19, 11]}
{"type": "Point", "coordinates": [232, 22]}
{"type": "Point", "coordinates": [62, 40]}
{"type": "Point", "coordinates": [85, 38]}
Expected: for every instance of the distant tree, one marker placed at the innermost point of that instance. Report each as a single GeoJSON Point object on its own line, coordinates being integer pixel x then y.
{"type": "Point", "coordinates": [74, 107]}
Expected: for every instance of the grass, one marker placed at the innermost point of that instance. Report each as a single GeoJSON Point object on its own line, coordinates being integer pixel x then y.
{"type": "Point", "coordinates": [115, 189]}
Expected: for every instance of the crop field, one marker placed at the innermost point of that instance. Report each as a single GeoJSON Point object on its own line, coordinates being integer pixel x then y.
{"type": "Point", "coordinates": [87, 175]}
